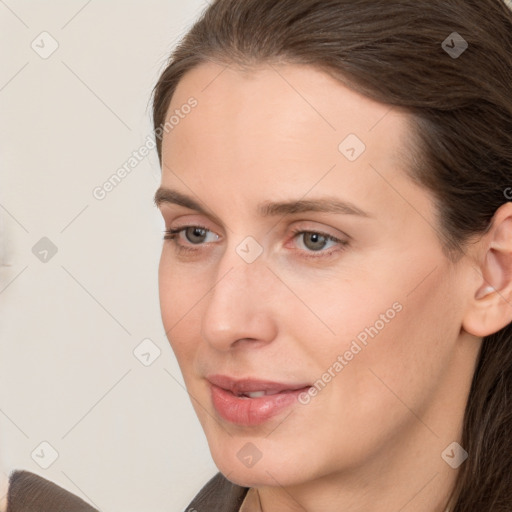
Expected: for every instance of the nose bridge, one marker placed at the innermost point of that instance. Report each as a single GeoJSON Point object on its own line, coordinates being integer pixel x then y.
{"type": "Point", "coordinates": [237, 305]}
{"type": "Point", "coordinates": [242, 268]}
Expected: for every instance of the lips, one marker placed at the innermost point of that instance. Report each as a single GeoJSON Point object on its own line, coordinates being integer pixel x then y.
{"type": "Point", "coordinates": [244, 386]}
{"type": "Point", "coordinates": [252, 401]}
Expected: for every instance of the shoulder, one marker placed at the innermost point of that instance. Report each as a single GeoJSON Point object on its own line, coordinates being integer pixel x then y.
{"type": "Point", "coordinates": [218, 495]}
{"type": "Point", "coordinates": [29, 492]}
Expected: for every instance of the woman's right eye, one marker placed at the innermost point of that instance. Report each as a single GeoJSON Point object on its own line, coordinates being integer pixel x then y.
{"type": "Point", "coordinates": [194, 235]}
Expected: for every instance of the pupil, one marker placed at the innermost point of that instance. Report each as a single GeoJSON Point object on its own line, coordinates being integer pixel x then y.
{"type": "Point", "coordinates": [318, 241]}
{"type": "Point", "coordinates": [195, 235]}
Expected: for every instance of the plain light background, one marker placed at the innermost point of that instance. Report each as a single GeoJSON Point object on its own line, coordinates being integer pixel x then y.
{"type": "Point", "coordinates": [125, 434]}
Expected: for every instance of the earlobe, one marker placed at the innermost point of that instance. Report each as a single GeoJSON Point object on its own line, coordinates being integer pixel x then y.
{"type": "Point", "coordinates": [490, 307]}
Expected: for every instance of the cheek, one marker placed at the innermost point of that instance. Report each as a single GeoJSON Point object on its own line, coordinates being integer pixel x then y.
{"type": "Point", "coordinates": [181, 288]}
{"type": "Point", "coordinates": [401, 330]}
{"type": "Point", "coordinates": [405, 342]}
{"type": "Point", "coordinates": [336, 312]}
{"type": "Point", "coordinates": [180, 297]}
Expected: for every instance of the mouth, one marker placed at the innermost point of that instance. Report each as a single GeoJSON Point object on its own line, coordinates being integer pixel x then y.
{"type": "Point", "coordinates": [254, 388]}
{"type": "Point", "coordinates": [250, 402]}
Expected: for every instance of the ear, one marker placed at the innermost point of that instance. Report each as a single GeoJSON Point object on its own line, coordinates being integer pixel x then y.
{"type": "Point", "coordinates": [490, 307]}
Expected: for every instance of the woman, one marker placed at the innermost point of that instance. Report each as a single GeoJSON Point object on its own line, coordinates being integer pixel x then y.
{"type": "Point", "coordinates": [336, 276]}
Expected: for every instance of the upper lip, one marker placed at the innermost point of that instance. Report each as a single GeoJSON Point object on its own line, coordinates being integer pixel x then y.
{"type": "Point", "coordinates": [249, 385]}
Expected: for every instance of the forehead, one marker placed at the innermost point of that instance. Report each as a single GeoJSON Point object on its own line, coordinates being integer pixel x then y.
{"type": "Point", "coordinates": [280, 107]}
{"type": "Point", "coordinates": [267, 89]}
{"type": "Point", "coordinates": [284, 126]}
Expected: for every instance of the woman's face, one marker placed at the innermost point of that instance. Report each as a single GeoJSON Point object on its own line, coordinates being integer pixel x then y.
{"type": "Point", "coordinates": [314, 274]}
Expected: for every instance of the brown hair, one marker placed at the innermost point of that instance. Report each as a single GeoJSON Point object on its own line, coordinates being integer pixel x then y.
{"type": "Point", "coordinates": [461, 106]}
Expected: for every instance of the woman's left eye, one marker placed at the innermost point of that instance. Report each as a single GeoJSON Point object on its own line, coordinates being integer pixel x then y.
{"type": "Point", "coordinates": [315, 241]}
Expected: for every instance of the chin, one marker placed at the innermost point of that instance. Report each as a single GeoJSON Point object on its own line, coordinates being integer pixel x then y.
{"type": "Point", "coordinates": [267, 471]}
{"type": "Point", "coordinates": [265, 476]}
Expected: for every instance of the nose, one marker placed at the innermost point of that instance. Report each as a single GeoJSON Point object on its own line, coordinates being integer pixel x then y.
{"type": "Point", "coordinates": [239, 309]}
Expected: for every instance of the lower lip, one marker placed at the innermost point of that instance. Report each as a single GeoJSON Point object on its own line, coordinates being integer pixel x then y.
{"type": "Point", "coordinates": [252, 411]}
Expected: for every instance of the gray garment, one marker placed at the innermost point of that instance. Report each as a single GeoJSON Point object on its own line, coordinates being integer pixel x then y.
{"type": "Point", "coordinates": [218, 495]}
{"type": "Point", "coordinates": [29, 492]}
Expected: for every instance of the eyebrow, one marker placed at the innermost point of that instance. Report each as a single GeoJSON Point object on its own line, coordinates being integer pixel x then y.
{"type": "Point", "coordinates": [267, 208]}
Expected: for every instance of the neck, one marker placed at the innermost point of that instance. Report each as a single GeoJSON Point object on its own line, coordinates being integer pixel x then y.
{"type": "Point", "coordinates": [422, 485]}
{"type": "Point", "coordinates": [4, 486]}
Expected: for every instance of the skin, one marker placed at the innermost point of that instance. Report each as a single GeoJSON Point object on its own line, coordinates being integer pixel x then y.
{"type": "Point", "coordinates": [372, 439]}
{"type": "Point", "coordinates": [4, 485]}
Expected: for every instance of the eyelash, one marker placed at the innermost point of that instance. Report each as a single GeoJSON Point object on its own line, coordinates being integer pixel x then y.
{"type": "Point", "coordinates": [172, 235]}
